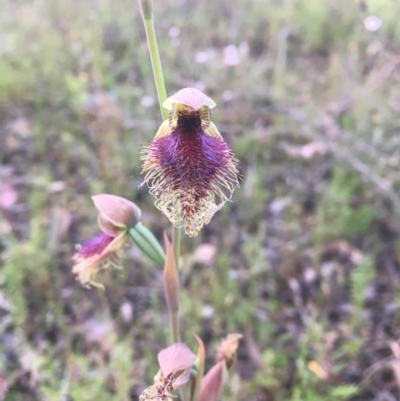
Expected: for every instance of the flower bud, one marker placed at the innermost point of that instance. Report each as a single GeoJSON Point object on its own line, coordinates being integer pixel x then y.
{"type": "Point", "coordinates": [196, 381]}
{"type": "Point", "coordinates": [146, 242]}
{"type": "Point", "coordinates": [116, 214]}
{"type": "Point", "coordinates": [213, 382]}
{"type": "Point", "coordinates": [170, 278]}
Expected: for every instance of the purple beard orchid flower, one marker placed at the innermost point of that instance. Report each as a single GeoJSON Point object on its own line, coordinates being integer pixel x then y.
{"type": "Point", "coordinates": [116, 215]}
{"type": "Point", "coordinates": [175, 364]}
{"type": "Point", "coordinates": [189, 168]}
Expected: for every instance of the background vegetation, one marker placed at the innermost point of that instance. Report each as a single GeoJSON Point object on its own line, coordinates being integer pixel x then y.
{"type": "Point", "coordinates": [305, 260]}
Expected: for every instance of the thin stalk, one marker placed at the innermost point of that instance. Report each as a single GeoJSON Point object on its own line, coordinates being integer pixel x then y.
{"type": "Point", "coordinates": [174, 321]}
{"type": "Point", "coordinates": [176, 244]}
{"type": "Point", "coordinates": [147, 15]}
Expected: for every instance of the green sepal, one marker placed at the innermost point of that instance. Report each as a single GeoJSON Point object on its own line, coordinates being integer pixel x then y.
{"type": "Point", "coordinates": [145, 240]}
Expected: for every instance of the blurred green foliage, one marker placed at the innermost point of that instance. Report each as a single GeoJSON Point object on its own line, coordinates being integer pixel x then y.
{"type": "Point", "coordinates": [307, 263]}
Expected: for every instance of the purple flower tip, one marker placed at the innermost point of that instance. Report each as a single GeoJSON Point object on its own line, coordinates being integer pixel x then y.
{"type": "Point", "coordinates": [95, 246]}
{"type": "Point", "coordinates": [190, 171]}
{"type": "Point", "coordinates": [100, 252]}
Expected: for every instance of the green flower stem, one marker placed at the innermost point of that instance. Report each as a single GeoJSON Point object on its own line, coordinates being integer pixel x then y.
{"type": "Point", "coordinates": [176, 244]}
{"type": "Point", "coordinates": [174, 323]}
{"type": "Point", "coordinates": [147, 14]}
{"type": "Point", "coordinates": [145, 240]}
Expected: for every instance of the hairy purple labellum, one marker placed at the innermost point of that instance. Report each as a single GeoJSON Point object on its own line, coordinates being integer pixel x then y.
{"type": "Point", "coordinates": [115, 216]}
{"type": "Point", "coordinates": [190, 160]}
{"type": "Point", "coordinates": [190, 173]}
{"type": "Point", "coordinates": [95, 246]}
{"type": "Point", "coordinates": [98, 253]}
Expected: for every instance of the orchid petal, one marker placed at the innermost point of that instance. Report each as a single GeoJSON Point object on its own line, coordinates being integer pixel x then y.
{"type": "Point", "coordinates": [175, 358]}
{"type": "Point", "coordinates": [190, 97]}
{"type": "Point", "coordinates": [189, 168]}
{"type": "Point", "coordinates": [164, 130]}
{"type": "Point", "coordinates": [212, 130]}
{"type": "Point", "coordinates": [118, 211]}
{"type": "Point", "coordinates": [212, 383]}
{"type": "Point", "coordinates": [95, 255]}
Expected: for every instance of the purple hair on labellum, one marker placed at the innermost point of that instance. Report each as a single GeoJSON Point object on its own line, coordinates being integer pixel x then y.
{"type": "Point", "coordinates": [190, 171]}
{"type": "Point", "coordinates": [116, 215]}
{"type": "Point", "coordinates": [191, 159]}
{"type": "Point", "coordinates": [98, 253]}
{"type": "Point", "coordinates": [95, 246]}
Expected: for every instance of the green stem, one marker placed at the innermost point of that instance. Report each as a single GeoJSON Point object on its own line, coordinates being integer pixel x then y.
{"type": "Point", "coordinates": [154, 57]}
{"type": "Point", "coordinates": [176, 244]}
{"type": "Point", "coordinates": [147, 14]}
{"type": "Point", "coordinates": [174, 320]}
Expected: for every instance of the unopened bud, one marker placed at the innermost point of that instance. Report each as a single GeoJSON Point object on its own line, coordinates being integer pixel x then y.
{"type": "Point", "coordinates": [199, 370]}
{"type": "Point", "coordinates": [116, 214]}
{"type": "Point", "coordinates": [145, 240]}
{"type": "Point", "coordinates": [170, 278]}
{"type": "Point", "coordinates": [213, 382]}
